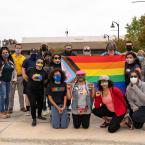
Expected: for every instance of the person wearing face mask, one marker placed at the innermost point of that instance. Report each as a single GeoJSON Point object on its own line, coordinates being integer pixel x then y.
{"type": "Point", "coordinates": [132, 63]}
{"type": "Point", "coordinates": [28, 63]}
{"type": "Point", "coordinates": [86, 51]}
{"type": "Point", "coordinates": [18, 60]}
{"type": "Point", "coordinates": [111, 50]}
{"type": "Point", "coordinates": [43, 49]}
{"type": "Point", "coordinates": [81, 93]}
{"type": "Point", "coordinates": [8, 75]}
{"type": "Point", "coordinates": [47, 68]}
{"type": "Point", "coordinates": [141, 57]}
{"type": "Point", "coordinates": [55, 62]}
{"type": "Point", "coordinates": [68, 51]}
{"type": "Point", "coordinates": [37, 78]}
{"type": "Point", "coordinates": [136, 98]}
{"type": "Point", "coordinates": [129, 47]}
{"type": "Point", "coordinates": [57, 97]}
{"type": "Point", "coordinates": [109, 102]}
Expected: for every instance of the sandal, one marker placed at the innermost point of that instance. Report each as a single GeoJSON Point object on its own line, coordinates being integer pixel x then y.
{"type": "Point", "coordinates": [129, 123]}
{"type": "Point", "coordinates": [104, 125]}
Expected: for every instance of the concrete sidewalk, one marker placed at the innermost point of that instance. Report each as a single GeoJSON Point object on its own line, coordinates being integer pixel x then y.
{"type": "Point", "coordinates": [17, 130]}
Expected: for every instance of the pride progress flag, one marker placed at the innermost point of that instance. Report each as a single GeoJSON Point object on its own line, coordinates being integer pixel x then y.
{"type": "Point", "coordinates": [95, 66]}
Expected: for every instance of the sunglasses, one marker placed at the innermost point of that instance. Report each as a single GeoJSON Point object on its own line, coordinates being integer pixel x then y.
{"type": "Point", "coordinates": [56, 58]}
{"type": "Point", "coordinates": [87, 50]}
{"type": "Point", "coordinates": [133, 77]}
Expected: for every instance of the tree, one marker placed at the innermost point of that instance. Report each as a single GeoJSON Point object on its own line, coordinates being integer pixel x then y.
{"type": "Point", "coordinates": [136, 32]}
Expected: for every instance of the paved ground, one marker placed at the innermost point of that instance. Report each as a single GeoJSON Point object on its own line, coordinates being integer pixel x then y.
{"type": "Point", "coordinates": [18, 131]}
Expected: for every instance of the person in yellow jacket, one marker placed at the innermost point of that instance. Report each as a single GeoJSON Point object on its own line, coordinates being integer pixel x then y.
{"type": "Point", "coordinates": [18, 60]}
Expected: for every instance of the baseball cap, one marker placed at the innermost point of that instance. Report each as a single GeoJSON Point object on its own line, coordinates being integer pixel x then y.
{"type": "Point", "coordinates": [104, 77]}
{"type": "Point", "coordinates": [80, 72]}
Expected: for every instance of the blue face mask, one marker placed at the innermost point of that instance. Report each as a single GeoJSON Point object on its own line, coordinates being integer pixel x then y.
{"type": "Point", "coordinates": [5, 56]}
{"type": "Point", "coordinates": [57, 78]}
{"type": "Point", "coordinates": [141, 58]}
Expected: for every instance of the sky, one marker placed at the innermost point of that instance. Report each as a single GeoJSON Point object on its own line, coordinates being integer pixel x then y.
{"type": "Point", "coordinates": [51, 18]}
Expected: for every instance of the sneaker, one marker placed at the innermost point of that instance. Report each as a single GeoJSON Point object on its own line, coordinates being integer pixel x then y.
{"type": "Point", "coordinates": [28, 113]}
{"type": "Point", "coordinates": [34, 122]}
{"type": "Point", "coordinates": [23, 109]}
{"type": "Point", "coordinates": [45, 113]}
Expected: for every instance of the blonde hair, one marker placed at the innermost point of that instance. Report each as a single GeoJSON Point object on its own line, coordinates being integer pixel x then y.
{"type": "Point", "coordinates": [141, 52]}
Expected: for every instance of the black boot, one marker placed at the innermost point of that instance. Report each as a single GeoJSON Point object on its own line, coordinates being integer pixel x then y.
{"type": "Point", "coordinates": [34, 122]}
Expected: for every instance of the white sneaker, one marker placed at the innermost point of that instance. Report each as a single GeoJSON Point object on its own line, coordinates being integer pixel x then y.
{"type": "Point", "coordinates": [28, 113]}
{"type": "Point", "coordinates": [45, 113]}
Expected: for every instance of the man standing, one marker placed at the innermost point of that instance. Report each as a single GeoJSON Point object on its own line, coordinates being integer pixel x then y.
{"type": "Point", "coordinates": [111, 50]}
{"type": "Point", "coordinates": [68, 51]}
{"type": "Point", "coordinates": [18, 60]}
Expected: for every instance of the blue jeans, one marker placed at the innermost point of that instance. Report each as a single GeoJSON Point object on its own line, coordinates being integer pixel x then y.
{"type": "Point", "coordinates": [4, 96]}
{"type": "Point", "coordinates": [59, 120]}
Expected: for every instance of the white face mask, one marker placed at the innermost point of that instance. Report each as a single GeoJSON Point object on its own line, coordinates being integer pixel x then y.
{"type": "Point", "coordinates": [133, 80]}
{"type": "Point", "coordinates": [18, 51]}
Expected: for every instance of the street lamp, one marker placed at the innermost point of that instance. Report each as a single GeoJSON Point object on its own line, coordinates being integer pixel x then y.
{"type": "Point", "coordinates": [66, 32]}
{"type": "Point", "coordinates": [113, 26]}
{"type": "Point", "coordinates": [106, 36]}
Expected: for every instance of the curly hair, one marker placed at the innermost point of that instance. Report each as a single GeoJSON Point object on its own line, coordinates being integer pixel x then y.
{"type": "Point", "coordinates": [63, 77]}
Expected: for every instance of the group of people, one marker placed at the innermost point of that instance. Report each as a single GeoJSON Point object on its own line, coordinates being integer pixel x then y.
{"type": "Point", "coordinates": [41, 81]}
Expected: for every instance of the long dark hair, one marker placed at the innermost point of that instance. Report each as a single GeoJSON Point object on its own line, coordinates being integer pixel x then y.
{"type": "Point", "coordinates": [110, 85]}
{"type": "Point", "coordinates": [9, 58]}
{"type": "Point", "coordinates": [63, 77]}
{"type": "Point", "coordinates": [136, 60]}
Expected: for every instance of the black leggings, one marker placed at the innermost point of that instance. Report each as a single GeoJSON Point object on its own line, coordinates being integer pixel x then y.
{"type": "Point", "coordinates": [36, 101]}
{"type": "Point", "coordinates": [116, 120]}
{"type": "Point", "coordinates": [138, 117]}
{"type": "Point", "coordinates": [81, 119]}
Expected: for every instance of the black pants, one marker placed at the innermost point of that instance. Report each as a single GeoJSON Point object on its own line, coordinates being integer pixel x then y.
{"type": "Point", "coordinates": [79, 120]}
{"type": "Point", "coordinates": [116, 120]}
{"type": "Point", "coordinates": [138, 117]}
{"type": "Point", "coordinates": [36, 101]}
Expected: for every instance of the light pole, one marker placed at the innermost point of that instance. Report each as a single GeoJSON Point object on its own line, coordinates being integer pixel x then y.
{"type": "Point", "coordinates": [113, 26]}
{"type": "Point", "coordinates": [66, 32]}
{"type": "Point", "coordinates": [106, 36]}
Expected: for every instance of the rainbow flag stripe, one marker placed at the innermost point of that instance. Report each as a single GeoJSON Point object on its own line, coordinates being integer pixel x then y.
{"type": "Point", "coordinates": [94, 66]}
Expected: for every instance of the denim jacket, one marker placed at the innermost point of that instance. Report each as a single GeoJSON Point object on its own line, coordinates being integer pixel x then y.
{"type": "Point", "coordinates": [74, 101]}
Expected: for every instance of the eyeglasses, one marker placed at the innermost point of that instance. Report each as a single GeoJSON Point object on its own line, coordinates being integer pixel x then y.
{"type": "Point", "coordinates": [56, 58]}
{"type": "Point", "coordinates": [133, 77]}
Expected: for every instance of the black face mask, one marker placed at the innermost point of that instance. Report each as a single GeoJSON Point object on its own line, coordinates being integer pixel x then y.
{"type": "Point", "coordinates": [129, 47]}
{"type": "Point", "coordinates": [33, 56]}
